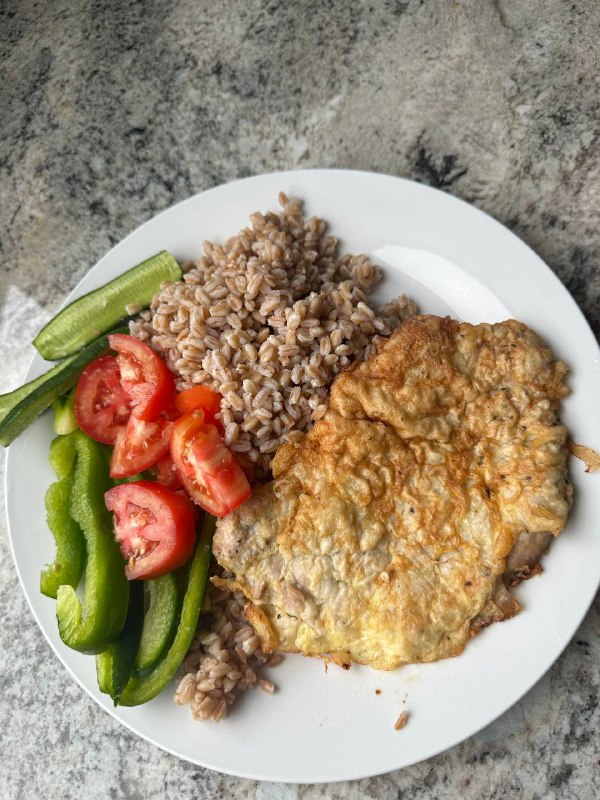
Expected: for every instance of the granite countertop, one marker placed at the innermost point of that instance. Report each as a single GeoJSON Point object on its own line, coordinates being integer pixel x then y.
{"type": "Point", "coordinates": [112, 111]}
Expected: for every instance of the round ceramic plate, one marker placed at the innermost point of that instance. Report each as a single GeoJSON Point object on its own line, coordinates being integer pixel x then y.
{"type": "Point", "coordinates": [334, 725]}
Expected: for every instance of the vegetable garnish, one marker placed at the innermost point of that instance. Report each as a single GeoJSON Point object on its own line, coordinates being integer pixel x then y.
{"type": "Point", "coordinates": [139, 445]}
{"type": "Point", "coordinates": [208, 470]}
{"type": "Point", "coordinates": [201, 397]}
{"type": "Point", "coordinates": [166, 472]}
{"type": "Point", "coordinates": [160, 623]}
{"type": "Point", "coordinates": [101, 404]}
{"type": "Point", "coordinates": [91, 625]}
{"type": "Point", "coordinates": [69, 561]}
{"type": "Point", "coordinates": [115, 665]}
{"type": "Point", "coordinates": [19, 408]}
{"type": "Point", "coordinates": [127, 401]}
{"type": "Point", "coordinates": [97, 312]}
{"type": "Point", "coordinates": [62, 455]}
{"type": "Point", "coordinates": [154, 526]}
{"type": "Point", "coordinates": [140, 688]}
{"type": "Point", "coordinates": [65, 420]}
{"type": "Point", "coordinates": [144, 377]}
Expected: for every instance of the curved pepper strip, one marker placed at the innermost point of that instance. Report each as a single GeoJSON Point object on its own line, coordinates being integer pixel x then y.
{"type": "Point", "coordinates": [115, 664]}
{"type": "Point", "coordinates": [141, 689]}
{"type": "Point", "coordinates": [62, 455]}
{"type": "Point", "coordinates": [69, 561]}
{"type": "Point", "coordinates": [160, 622]}
{"type": "Point", "coordinates": [65, 420]}
{"type": "Point", "coordinates": [90, 626]}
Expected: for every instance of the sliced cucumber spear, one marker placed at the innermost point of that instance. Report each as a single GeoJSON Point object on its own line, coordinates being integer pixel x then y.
{"type": "Point", "coordinates": [12, 399]}
{"type": "Point", "coordinates": [95, 313]}
{"type": "Point", "coordinates": [18, 409]}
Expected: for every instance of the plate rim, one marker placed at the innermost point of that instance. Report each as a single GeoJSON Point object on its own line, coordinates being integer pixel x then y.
{"type": "Point", "coordinates": [34, 368]}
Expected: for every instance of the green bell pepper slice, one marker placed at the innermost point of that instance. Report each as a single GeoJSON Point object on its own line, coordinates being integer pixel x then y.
{"type": "Point", "coordinates": [91, 625]}
{"type": "Point", "coordinates": [62, 454]}
{"type": "Point", "coordinates": [69, 561]}
{"type": "Point", "coordinates": [114, 665]}
{"type": "Point", "coordinates": [160, 622]}
{"type": "Point", "coordinates": [65, 420]}
{"type": "Point", "coordinates": [140, 689]}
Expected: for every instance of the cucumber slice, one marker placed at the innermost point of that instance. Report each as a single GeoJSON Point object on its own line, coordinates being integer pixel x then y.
{"type": "Point", "coordinates": [12, 399]}
{"type": "Point", "coordinates": [94, 313]}
{"type": "Point", "coordinates": [37, 395]}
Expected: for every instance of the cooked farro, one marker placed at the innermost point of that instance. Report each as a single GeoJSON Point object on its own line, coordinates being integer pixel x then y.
{"type": "Point", "coordinates": [401, 721]}
{"type": "Point", "coordinates": [268, 320]}
{"type": "Point", "coordinates": [223, 660]}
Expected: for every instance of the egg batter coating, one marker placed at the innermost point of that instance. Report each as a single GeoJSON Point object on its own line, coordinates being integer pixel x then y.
{"type": "Point", "coordinates": [391, 532]}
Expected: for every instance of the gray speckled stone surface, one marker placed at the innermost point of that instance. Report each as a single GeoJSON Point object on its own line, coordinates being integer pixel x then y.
{"type": "Point", "coordinates": [113, 110]}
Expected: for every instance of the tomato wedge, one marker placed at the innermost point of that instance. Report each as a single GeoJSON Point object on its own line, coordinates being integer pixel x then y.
{"type": "Point", "coordinates": [208, 470]}
{"type": "Point", "coordinates": [139, 445]}
{"type": "Point", "coordinates": [154, 526]}
{"type": "Point", "coordinates": [144, 376]}
{"type": "Point", "coordinates": [199, 397]}
{"type": "Point", "coordinates": [101, 404]}
{"type": "Point", "coordinates": [166, 472]}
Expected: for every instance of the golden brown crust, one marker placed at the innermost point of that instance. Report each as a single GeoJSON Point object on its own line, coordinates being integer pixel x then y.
{"type": "Point", "coordinates": [386, 531]}
{"type": "Point", "coordinates": [590, 457]}
{"type": "Point", "coordinates": [259, 620]}
{"type": "Point", "coordinates": [523, 574]}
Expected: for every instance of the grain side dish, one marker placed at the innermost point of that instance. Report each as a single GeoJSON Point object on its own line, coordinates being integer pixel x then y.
{"type": "Point", "coordinates": [268, 320]}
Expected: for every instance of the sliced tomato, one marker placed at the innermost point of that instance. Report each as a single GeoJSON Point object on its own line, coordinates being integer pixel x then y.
{"type": "Point", "coordinates": [154, 526]}
{"type": "Point", "coordinates": [199, 397]}
{"type": "Point", "coordinates": [144, 376]}
{"type": "Point", "coordinates": [170, 411]}
{"type": "Point", "coordinates": [208, 470]}
{"type": "Point", "coordinates": [166, 472]}
{"type": "Point", "coordinates": [139, 445]}
{"type": "Point", "coordinates": [102, 406]}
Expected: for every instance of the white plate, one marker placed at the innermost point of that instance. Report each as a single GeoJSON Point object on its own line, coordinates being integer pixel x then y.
{"type": "Point", "coordinates": [451, 258]}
